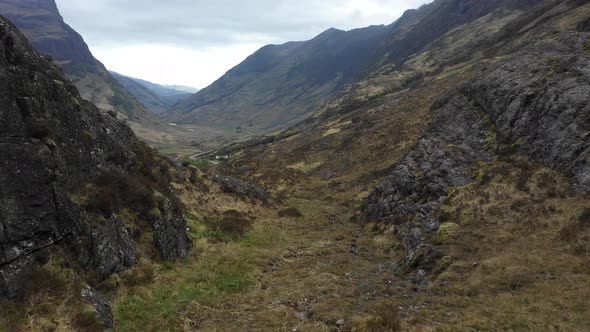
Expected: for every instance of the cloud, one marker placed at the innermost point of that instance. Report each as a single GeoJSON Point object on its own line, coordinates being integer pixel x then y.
{"type": "Point", "coordinates": [195, 36]}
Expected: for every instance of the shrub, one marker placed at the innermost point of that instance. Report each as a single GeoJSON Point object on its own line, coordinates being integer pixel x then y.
{"type": "Point", "coordinates": [38, 130]}
{"type": "Point", "coordinates": [443, 216]}
{"type": "Point", "coordinates": [385, 318]}
{"type": "Point", "coordinates": [584, 218]}
{"type": "Point", "coordinates": [86, 320]}
{"type": "Point", "coordinates": [115, 192]}
{"type": "Point", "coordinates": [232, 226]}
{"type": "Point", "coordinates": [290, 212]}
{"type": "Point", "coordinates": [571, 232]}
{"type": "Point", "coordinates": [523, 178]}
{"type": "Point", "coordinates": [139, 275]}
{"type": "Point", "coordinates": [45, 278]}
{"type": "Point", "coordinates": [154, 213]}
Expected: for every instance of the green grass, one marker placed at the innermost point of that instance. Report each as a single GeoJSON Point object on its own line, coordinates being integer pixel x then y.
{"type": "Point", "coordinates": [286, 134]}
{"type": "Point", "coordinates": [201, 279]}
{"type": "Point", "coordinates": [210, 273]}
{"type": "Point", "coordinates": [201, 164]}
{"type": "Point", "coordinates": [587, 45]}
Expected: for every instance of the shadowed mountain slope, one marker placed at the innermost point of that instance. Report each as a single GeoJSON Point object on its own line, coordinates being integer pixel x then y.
{"type": "Point", "coordinates": [43, 25]}
{"type": "Point", "coordinates": [280, 84]}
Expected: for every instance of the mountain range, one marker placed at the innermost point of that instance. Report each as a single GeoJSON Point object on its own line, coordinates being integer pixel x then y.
{"type": "Point", "coordinates": [282, 84]}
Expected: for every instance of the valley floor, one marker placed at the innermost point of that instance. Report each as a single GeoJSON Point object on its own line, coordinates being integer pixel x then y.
{"type": "Point", "coordinates": [320, 271]}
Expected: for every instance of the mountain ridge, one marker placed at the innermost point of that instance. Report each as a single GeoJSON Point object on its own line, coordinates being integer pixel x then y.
{"type": "Point", "coordinates": [279, 85]}
{"type": "Point", "coordinates": [304, 70]}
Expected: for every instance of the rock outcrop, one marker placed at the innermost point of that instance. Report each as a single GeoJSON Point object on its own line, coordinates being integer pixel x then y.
{"type": "Point", "coordinates": [238, 187]}
{"type": "Point", "coordinates": [101, 307]}
{"type": "Point", "coordinates": [52, 144]}
{"type": "Point", "coordinates": [537, 101]}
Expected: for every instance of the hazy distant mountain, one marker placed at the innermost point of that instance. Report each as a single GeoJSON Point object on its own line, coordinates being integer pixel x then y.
{"type": "Point", "coordinates": [43, 25]}
{"type": "Point", "coordinates": [156, 98]}
{"type": "Point", "coordinates": [164, 90]}
{"type": "Point", "coordinates": [182, 88]}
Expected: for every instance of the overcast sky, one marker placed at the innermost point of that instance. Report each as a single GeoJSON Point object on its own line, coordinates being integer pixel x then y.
{"type": "Point", "coordinates": [194, 42]}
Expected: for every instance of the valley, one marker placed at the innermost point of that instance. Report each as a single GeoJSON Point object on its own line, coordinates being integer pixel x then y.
{"type": "Point", "coordinates": [428, 175]}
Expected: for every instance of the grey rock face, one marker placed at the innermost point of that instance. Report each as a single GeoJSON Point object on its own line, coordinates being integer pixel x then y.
{"type": "Point", "coordinates": [421, 180]}
{"type": "Point", "coordinates": [538, 99]}
{"type": "Point", "coordinates": [236, 186]}
{"type": "Point", "coordinates": [112, 249]}
{"type": "Point", "coordinates": [102, 307]}
{"type": "Point", "coordinates": [170, 233]}
{"type": "Point", "coordinates": [51, 143]}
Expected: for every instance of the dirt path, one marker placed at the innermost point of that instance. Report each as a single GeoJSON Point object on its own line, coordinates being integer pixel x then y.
{"type": "Point", "coordinates": [321, 276]}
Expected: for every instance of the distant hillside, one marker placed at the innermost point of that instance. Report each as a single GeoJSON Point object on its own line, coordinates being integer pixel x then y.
{"type": "Point", "coordinates": [280, 84]}
{"type": "Point", "coordinates": [164, 90]}
{"type": "Point", "coordinates": [156, 98]}
{"type": "Point", "coordinates": [183, 88]}
{"type": "Point", "coordinates": [43, 25]}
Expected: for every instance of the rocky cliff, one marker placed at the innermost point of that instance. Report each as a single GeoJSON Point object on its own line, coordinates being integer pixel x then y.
{"type": "Point", "coordinates": [535, 102]}
{"type": "Point", "coordinates": [67, 173]}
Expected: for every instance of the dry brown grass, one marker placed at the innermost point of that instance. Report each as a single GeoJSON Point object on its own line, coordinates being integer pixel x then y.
{"type": "Point", "coordinates": [510, 267]}
{"type": "Point", "coordinates": [52, 301]}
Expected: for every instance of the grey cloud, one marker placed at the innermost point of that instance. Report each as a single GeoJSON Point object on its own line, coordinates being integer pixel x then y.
{"type": "Point", "coordinates": [200, 24]}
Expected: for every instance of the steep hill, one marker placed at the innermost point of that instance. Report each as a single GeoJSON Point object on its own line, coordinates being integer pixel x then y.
{"type": "Point", "coordinates": [156, 98]}
{"type": "Point", "coordinates": [42, 23]}
{"type": "Point", "coordinates": [280, 84]}
{"type": "Point", "coordinates": [283, 84]}
{"type": "Point", "coordinates": [80, 195]}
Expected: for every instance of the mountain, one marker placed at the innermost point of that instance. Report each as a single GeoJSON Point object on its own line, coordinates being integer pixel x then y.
{"type": "Point", "coordinates": [42, 23]}
{"type": "Point", "coordinates": [156, 98]}
{"type": "Point", "coordinates": [281, 84]}
{"type": "Point", "coordinates": [165, 90]}
{"type": "Point", "coordinates": [183, 88]}
{"type": "Point", "coordinates": [76, 185]}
